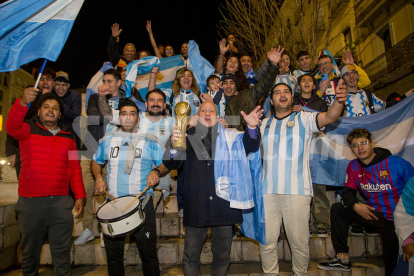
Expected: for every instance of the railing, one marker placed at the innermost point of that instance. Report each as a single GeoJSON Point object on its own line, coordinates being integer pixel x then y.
{"type": "Point", "coordinates": [398, 56]}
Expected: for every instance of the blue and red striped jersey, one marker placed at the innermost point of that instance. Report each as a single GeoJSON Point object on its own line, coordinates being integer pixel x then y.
{"type": "Point", "coordinates": [382, 183]}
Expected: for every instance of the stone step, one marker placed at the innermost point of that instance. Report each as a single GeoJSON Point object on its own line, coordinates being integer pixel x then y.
{"type": "Point", "coordinates": [360, 267]}
{"type": "Point", "coordinates": [170, 250]}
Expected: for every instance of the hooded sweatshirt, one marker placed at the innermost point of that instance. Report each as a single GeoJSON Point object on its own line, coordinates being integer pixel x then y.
{"type": "Point", "coordinates": [315, 102]}
{"type": "Point", "coordinates": [381, 182]}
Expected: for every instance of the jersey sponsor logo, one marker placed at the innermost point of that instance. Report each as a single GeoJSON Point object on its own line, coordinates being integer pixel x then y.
{"type": "Point", "coordinates": [138, 152]}
{"type": "Point", "coordinates": [375, 188]}
{"type": "Point", "coordinates": [125, 144]}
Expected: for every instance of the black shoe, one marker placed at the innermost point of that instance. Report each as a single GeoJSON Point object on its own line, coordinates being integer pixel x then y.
{"type": "Point", "coordinates": [356, 230]}
{"type": "Point", "coordinates": [321, 232]}
{"type": "Point", "coordinates": [335, 264]}
{"type": "Point", "coordinates": [372, 232]}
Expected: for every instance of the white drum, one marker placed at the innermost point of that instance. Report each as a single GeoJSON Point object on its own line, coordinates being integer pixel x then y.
{"type": "Point", "coordinates": [114, 223]}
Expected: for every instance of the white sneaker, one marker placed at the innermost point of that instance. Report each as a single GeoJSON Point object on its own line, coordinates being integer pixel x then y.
{"type": "Point", "coordinates": [102, 241]}
{"type": "Point", "coordinates": [86, 236]}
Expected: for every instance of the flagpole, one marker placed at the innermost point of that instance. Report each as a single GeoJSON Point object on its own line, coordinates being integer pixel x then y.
{"type": "Point", "coordinates": [38, 78]}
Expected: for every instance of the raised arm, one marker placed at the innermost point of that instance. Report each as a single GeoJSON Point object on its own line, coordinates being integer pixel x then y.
{"type": "Point", "coordinates": [220, 60]}
{"type": "Point", "coordinates": [103, 104]}
{"type": "Point", "coordinates": [113, 44]}
{"type": "Point", "coordinates": [153, 78]}
{"type": "Point", "coordinates": [336, 109]}
{"type": "Point", "coordinates": [154, 45]}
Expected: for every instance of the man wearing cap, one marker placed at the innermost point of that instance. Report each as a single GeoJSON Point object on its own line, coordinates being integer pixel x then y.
{"type": "Point", "coordinates": [72, 107]}
{"type": "Point", "coordinates": [287, 185]}
{"type": "Point", "coordinates": [361, 102]}
{"type": "Point", "coordinates": [246, 99]}
{"type": "Point", "coordinates": [326, 89]}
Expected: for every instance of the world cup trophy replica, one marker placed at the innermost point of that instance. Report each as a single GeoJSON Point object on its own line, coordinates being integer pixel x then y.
{"type": "Point", "coordinates": [182, 115]}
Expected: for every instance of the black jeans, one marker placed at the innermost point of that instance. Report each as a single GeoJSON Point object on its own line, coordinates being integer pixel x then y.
{"type": "Point", "coordinates": [220, 246]}
{"type": "Point", "coordinates": [342, 217]}
{"type": "Point", "coordinates": [180, 189]}
{"type": "Point", "coordinates": [146, 239]}
{"type": "Point", "coordinates": [38, 216]}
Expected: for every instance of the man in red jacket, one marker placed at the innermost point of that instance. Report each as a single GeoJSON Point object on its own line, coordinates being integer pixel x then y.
{"type": "Point", "coordinates": [50, 166]}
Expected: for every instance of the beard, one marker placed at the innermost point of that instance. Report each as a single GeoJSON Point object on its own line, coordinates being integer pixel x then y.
{"type": "Point", "coordinates": [159, 113]}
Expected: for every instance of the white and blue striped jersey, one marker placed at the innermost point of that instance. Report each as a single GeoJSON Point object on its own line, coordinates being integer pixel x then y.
{"type": "Point", "coordinates": [221, 106]}
{"type": "Point", "coordinates": [188, 97]}
{"type": "Point", "coordinates": [286, 79]}
{"type": "Point", "coordinates": [357, 104]}
{"type": "Point", "coordinates": [298, 73]}
{"type": "Point", "coordinates": [114, 150]}
{"type": "Point", "coordinates": [161, 129]}
{"type": "Point", "coordinates": [168, 93]}
{"type": "Point", "coordinates": [285, 151]}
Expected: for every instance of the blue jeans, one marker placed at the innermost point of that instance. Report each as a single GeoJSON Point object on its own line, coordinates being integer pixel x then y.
{"type": "Point", "coordinates": [401, 269]}
{"type": "Point", "coordinates": [220, 246]}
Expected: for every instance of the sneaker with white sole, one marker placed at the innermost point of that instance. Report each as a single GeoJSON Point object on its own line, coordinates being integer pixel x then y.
{"type": "Point", "coordinates": [321, 232]}
{"type": "Point", "coordinates": [86, 236]}
{"type": "Point", "coordinates": [180, 213]}
{"type": "Point", "coordinates": [336, 264]}
{"type": "Point", "coordinates": [102, 241]}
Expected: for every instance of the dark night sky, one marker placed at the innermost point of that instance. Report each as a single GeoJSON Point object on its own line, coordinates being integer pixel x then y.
{"type": "Point", "coordinates": [173, 22]}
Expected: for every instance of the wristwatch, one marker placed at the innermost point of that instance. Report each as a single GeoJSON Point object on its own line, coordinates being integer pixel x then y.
{"type": "Point", "coordinates": [156, 170]}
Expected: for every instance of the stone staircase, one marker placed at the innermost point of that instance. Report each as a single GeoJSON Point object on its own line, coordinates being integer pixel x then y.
{"type": "Point", "coordinates": [90, 258]}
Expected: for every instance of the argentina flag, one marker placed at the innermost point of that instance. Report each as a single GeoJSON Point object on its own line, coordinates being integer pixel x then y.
{"type": "Point", "coordinates": [29, 30]}
{"type": "Point", "coordinates": [139, 71]}
{"type": "Point", "coordinates": [392, 129]}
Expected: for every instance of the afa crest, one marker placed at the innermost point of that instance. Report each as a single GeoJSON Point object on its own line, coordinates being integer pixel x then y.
{"type": "Point", "coordinates": [138, 152]}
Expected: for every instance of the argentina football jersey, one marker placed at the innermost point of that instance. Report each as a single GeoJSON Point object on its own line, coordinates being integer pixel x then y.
{"type": "Point", "coordinates": [114, 149]}
{"type": "Point", "coordinates": [190, 98]}
{"type": "Point", "coordinates": [161, 129]}
{"type": "Point", "coordinates": [285, 150]}
{"type": "Point", "coordinates": [357, 104]}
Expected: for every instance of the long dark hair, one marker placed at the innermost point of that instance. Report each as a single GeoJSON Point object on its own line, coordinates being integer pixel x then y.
{"type": "Point", "coordinates": [241, 78]}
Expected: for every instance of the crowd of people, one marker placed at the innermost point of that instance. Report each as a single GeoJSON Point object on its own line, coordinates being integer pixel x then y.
{"type": "Point", "coordinates": [128, 149]}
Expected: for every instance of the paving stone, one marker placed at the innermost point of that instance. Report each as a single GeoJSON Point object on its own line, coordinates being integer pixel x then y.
{"type": "Point", "coordinates": [2, 210]}
{"type": "Point", "coordinates": [375, 271]}
{"type": "Point", "coordinates": [250, 250]}
{"type": "Point", "coordinates": [1, 237]}
{"type": "Point", "coordinates": [10, 215]}
{"type": "Point", "coordinates": [317, 248]}
{"type": "Point", "coordinates": [7, 257]}
{"type": "Point", "coordinates": [180, 251]}
{"type": "Point", "coordinates": [169, 226]}
{"type": "Point", "coordinates": [158, 226]}
{"type": "Point", "coordinates": [100, 255]}
{"type": "Point", "coordinates": [46, 256]}
{"type": "Point", "coordinates": [280, 250]}
{"type": "Point", "coordinates": [238, 269]}
{"type": "Point", "coordinates": [173, 187]}
{"type": "Point", "coordinates": [286, 251]}
{"type": "Point", "coordinates": [168, 253]}
{"type": "Point", "coordinates": [170, 205]}
{"type": "Point", "coordinates": [356, 246]}
{"type": "Point", "coordinates": [84, 254]}
{"type": "Point", "coordinates": [132, 254]}
{"type": "Point", "coordinates": [329, 250]}
{"type": "Point", "coordinates": [236, 251]}
{"type": "Point", "coordinates": [374, 246]}
{"type": "Point", "coordinates": [77, 227]}
{"type": "Point", "coordinates": [160, 207]}
{"type": "Point", "coordinates": [11, 235]}
{"type": "Point", "coordinates": [206, 254]}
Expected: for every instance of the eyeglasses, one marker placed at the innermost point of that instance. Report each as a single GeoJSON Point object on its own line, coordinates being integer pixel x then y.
{"type": "Point", "coordinates": [362, 143]}
{"type": "Point", "coordinates": [324, 64]}
{"type": "Point", "coordinates": [352, 73]}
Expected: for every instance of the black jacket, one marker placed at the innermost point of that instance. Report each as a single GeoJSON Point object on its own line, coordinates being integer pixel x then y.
{"type": "Point", "coordinates": [349, 195]}
{"type": "Point", "coordinates": [202, 207]}
{"type": "Point", "coordinates": [113, 52]}
{"type": "Point", "coordinates": [316, 103]}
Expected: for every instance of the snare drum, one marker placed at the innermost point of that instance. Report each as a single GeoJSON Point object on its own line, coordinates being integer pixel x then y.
{"type": "Point", "coordinates": [114, 223]}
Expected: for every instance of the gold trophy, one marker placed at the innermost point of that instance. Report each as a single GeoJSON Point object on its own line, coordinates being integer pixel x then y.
{"type": "Point", "coordinates": [182, 115]}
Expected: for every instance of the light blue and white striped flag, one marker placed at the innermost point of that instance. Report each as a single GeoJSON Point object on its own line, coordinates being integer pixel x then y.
{"type": "Point", "coordinates": [96, 81]}
{"type": "Point", "coordinates": [201, 68]}
{"type": "Point", "coordinates": [34, 29]}
{"type": "Point", "coordinates": [392, 128]}
{"type": "Point", "coordinates": [139, 71]}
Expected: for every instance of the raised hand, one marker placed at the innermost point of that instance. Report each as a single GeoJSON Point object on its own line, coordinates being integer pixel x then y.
{"type": "Point", "coordinates": [223, 123]}
{"type": "Point", "coordinates": [204, 97]}
{"type": "Point", "coordinates": [348, 58]}
{"type": "Point", "coordinates": [253, 119]}
{"type": "Point", "coordinates": [223, 47]}
{"type": "Point", "coordinates": [341, 93]}
{"type": "Point", "coordinates": [149, 26]}
{"type": "Point", "coordinates": [274, 54]}
{"type": "Point", "coordinates": [115, 30]}
{"type": "Point", "coordinates": [104, 90]}
{"type": "Point", "coordinates": [29, 95]}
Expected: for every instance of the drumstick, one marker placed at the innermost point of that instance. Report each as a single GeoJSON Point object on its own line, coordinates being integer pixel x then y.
{"type": "Point", "coordinates": [135, 199]}
{"type": "Point", "coordinates": [109, 195]}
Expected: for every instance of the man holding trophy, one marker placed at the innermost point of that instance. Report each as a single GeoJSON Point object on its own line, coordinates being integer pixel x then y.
{"type": "Point", "coordinates": [196, 153]}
